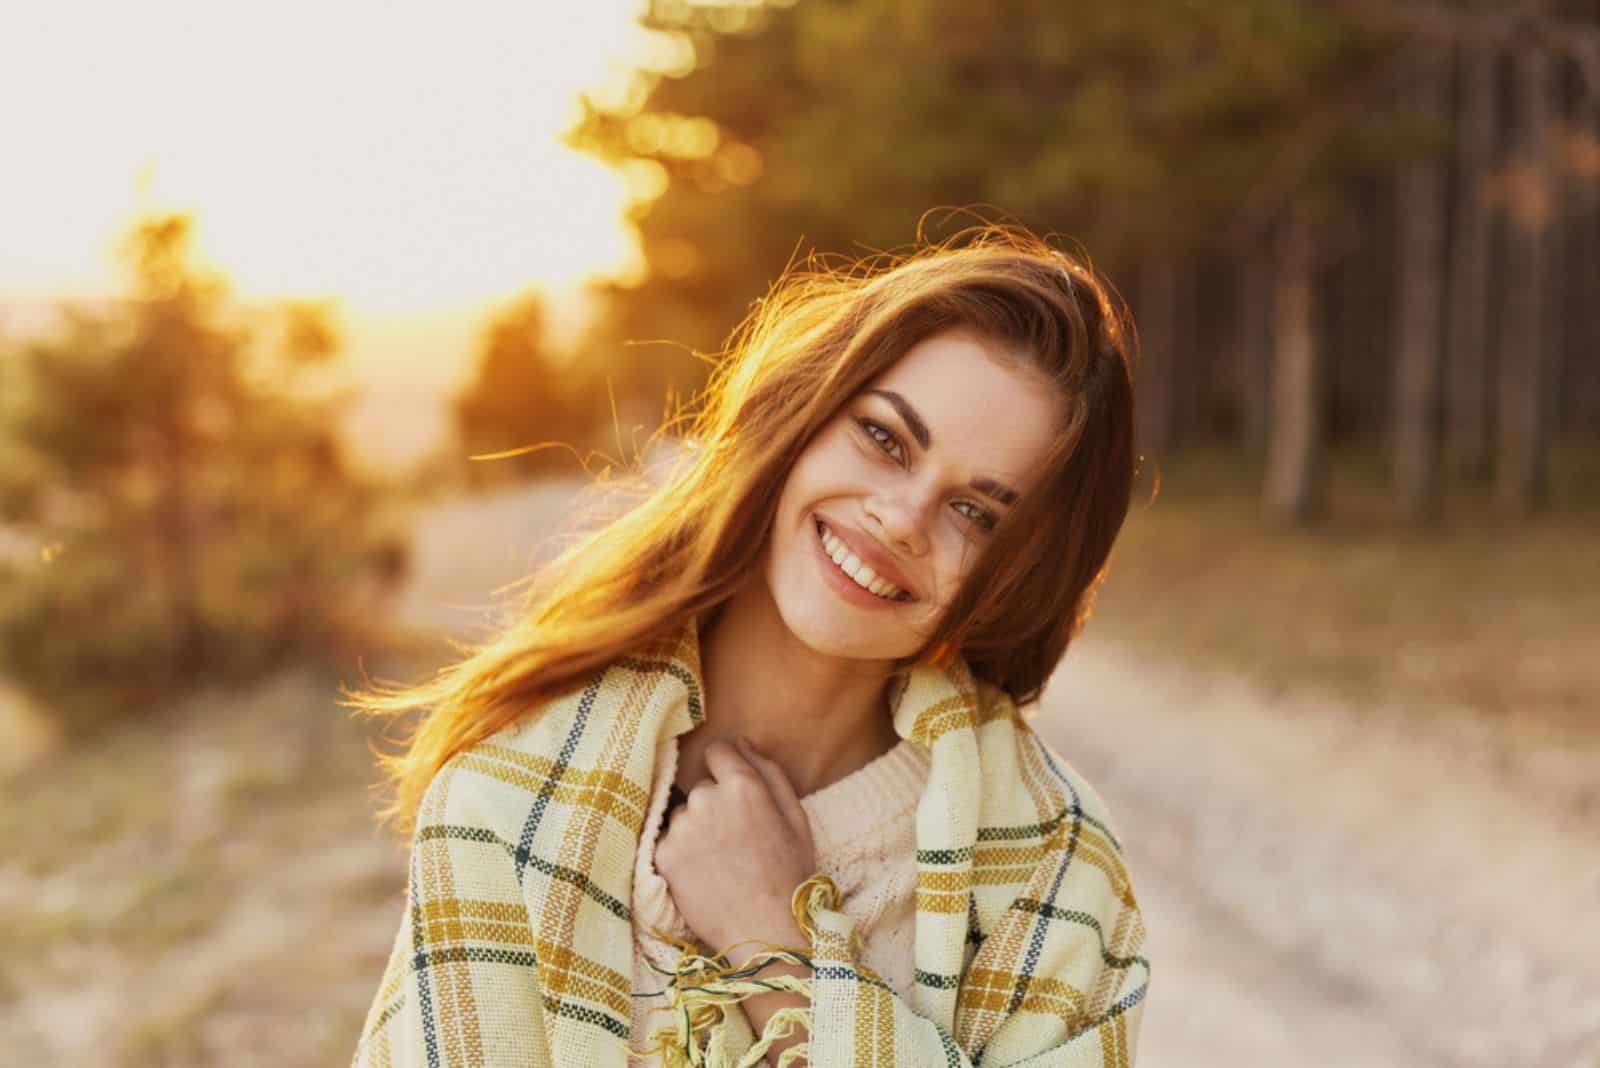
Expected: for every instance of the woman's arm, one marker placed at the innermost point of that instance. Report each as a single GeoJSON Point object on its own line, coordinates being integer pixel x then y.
{"type": "Point", "coordinates": [759, 1008]}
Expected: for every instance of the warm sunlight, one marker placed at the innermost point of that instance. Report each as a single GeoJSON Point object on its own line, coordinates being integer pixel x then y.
{"type": "Point", "coordinates": [403, 157]}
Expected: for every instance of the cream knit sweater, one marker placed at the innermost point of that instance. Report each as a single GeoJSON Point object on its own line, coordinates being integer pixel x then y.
{"type": "Point", "coordinates": [864, 831]}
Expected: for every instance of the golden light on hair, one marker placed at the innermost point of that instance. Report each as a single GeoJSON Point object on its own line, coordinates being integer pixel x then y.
{"type": "Point", "coordinates": [681, 541]}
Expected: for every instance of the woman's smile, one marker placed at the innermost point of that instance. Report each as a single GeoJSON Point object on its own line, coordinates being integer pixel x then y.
{"type": "Point", "coordinates": [897, 493]}
{"type": "Point", "coordinates": [845, 572]}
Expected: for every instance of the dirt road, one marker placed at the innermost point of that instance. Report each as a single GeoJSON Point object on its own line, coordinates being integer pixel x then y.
{"type": "Point", "coordinates": [1328, 885]}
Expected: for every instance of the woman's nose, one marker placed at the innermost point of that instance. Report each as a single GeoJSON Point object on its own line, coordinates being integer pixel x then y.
{"type": "Point", "coordinates": [900, 521]}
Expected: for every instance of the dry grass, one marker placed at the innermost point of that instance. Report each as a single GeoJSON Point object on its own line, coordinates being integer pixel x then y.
{"type": "Point", "coordinates": [1474, 614]}
{"type": "Point", "coordinates": [221, 856]}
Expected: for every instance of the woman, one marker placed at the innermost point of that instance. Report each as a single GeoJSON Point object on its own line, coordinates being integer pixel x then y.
{"type": "Point", "coordinates": [747, 781]}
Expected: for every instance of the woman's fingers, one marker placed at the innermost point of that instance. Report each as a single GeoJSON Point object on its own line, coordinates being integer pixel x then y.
{"type": "Point", "coordinates": [779, 786]}
{"type": "Point", "coordinates": [728, 763]}
{"type": "Point", "coordinates": [725, 762]}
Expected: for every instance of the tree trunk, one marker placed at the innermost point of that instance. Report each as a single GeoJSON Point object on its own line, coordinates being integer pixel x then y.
{"type": "Point", "coordinates": [1467, 343]}
{"type": "Point", "coordinates": [1250, 348]}
{"type": "Point", "coordinates": [1417, 401]}
{"type": "Point", "coordinates": [1159, 379]}
{"type": "Point", "coordinates": [1293, 488]}
{"type": "Point", "coordinates": [1524, 438]}
{"type": "Point", "coordinates": [1582, 395]}
{"type": "Point", "coordinates": [1357, 324]}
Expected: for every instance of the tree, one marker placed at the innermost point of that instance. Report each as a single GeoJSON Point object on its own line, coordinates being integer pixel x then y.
{"type": "Point", "coordinates": [1135, 129]}
{"type": "Point", "coordinates": [1294, 486]}
{"type": "Point", "coordinates": [526, 398]}
{"type": "Point", "coordinates": [1521, 469]}
{"type": "Point", "coordinates": [1418, 400]}
{"type": "Point", "coordinates": [192, 508]}
{"type": "Point", "coordinates": [1161, 377]}
{"type": "Point", "coordinates": [1467, 341]}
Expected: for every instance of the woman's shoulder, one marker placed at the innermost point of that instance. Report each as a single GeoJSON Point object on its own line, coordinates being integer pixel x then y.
{"type": "Point", "coordinates": [487, 786]}
{"type": "Point", "coordinates": [502, 771]}
{"type": "Point", "coordinates": [550, 757]}
{"type": "Point", "coordinates": [1068, 797]}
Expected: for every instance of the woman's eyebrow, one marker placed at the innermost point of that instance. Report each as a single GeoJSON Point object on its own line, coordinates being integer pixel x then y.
{"type": "Point", "coordinates": [914, 423]}
{"type": "Point", "coordinates": [990, 488]}
{"type": "Point", "coordinates": [919, 430]}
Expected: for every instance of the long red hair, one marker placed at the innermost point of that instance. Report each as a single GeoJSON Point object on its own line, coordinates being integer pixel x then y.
{"type": "Point", "coordinates": [688, 537]}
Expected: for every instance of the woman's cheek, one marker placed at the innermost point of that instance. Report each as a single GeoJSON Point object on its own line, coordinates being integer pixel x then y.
{"type": "Point", "coordinates": [949, 580]}
{"type": "Point", "coordinates": [941, 592]}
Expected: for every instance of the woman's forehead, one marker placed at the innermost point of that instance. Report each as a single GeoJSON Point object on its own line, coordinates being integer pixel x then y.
{"type": "Point", "coordinates": [976, 405]}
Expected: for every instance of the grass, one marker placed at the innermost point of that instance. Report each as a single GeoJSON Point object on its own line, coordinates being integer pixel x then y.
{"type": "Point", "coordinates": [171, 1034]}
{"type": "Point", "coordinates": [1476, 612]}
{"type": "Point", "coordinates": [200, 853]}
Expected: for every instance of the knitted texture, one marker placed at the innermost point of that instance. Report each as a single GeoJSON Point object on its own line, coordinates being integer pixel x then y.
{"type": "Point", "coordinates": [515, 944]}
{"type": "Point", "coordinates": [863, 828]}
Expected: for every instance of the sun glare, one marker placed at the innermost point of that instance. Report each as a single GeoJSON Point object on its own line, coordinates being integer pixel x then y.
{"type": "Point", "coordinates": [398, 156]}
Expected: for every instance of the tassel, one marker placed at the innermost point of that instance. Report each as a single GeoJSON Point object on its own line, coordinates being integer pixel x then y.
{"type": "Point", "coordinates": [701, 987]}
{"type": "Point", "coordinates": [820, 892]}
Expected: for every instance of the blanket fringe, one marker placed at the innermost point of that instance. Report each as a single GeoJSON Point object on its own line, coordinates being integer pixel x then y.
{"type": "Point", "coordinates": [701, 987]}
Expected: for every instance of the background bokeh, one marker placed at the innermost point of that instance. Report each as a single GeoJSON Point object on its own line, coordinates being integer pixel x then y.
{"type": "Point", "coordinates": [276, 283]}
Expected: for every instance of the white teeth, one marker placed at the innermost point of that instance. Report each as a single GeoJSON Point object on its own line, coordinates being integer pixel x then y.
{"type": "Point", "coordinates": [852, 565]}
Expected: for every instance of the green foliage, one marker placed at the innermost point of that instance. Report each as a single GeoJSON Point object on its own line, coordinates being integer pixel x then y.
{"type": "Point", "coordinates": [1133, 128]}
{"type": "Point", "coordinates": [175, 504]}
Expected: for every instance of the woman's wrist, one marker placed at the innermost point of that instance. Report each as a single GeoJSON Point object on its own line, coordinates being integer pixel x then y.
{"type": "Point", "coordinates": [759, 1008]}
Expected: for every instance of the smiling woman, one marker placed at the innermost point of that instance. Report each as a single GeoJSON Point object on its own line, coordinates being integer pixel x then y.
{"type": "Point", "coordinates": [901, 490]}
{"type": "Point", "coordinates": [808, 643]}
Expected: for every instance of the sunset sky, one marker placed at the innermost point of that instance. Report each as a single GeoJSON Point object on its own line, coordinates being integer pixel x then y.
{"type": "Point", "coordinates": [403, 157]}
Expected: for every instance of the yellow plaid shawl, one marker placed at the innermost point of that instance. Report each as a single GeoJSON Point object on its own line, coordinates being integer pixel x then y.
{"type": "Point", "coordinates": [515, 947]}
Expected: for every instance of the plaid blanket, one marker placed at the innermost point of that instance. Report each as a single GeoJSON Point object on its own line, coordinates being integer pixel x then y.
{"type": "Point", "coordinates": [515, 945]}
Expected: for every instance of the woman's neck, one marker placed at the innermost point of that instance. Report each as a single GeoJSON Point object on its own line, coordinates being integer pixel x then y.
{"type": "Point", "coordinates": [820, 717]}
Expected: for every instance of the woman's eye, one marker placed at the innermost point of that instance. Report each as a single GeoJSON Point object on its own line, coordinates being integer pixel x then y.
{"type": "Point", "coordinates": [979, 516]}
{"type": "Point", "coordinates": [885, 439]}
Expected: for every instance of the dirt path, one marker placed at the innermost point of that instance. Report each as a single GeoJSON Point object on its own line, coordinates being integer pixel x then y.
{"type": "Point", "coordinates": [1327, 886]}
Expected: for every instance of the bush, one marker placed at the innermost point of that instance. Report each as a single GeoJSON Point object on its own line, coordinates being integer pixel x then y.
{"type": "Point", "coordinates": [175, 505]}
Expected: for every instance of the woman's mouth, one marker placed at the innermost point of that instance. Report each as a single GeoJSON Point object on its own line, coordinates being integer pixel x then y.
{"type": "Point", "coordinates": [851, 568]}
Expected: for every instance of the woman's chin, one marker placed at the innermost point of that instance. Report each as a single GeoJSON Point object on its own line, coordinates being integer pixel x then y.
{"type": "Point", "coordinates": [833, 630]}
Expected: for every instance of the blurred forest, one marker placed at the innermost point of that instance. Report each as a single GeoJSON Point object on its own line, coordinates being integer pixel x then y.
{"type": "Point", "coordinates": [1363, 226]}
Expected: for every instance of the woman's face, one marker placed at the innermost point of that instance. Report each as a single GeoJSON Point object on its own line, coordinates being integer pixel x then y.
{"type": "Point", "coordinates": [903, 486]}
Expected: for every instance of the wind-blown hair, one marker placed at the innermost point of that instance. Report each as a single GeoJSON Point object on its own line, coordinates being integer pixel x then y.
{"type": "Point", "coordinates": [694, 535]}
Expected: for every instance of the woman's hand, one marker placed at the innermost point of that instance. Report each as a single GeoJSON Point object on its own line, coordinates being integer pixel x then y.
{"type": "Point", "coordinates": [733, 853]}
